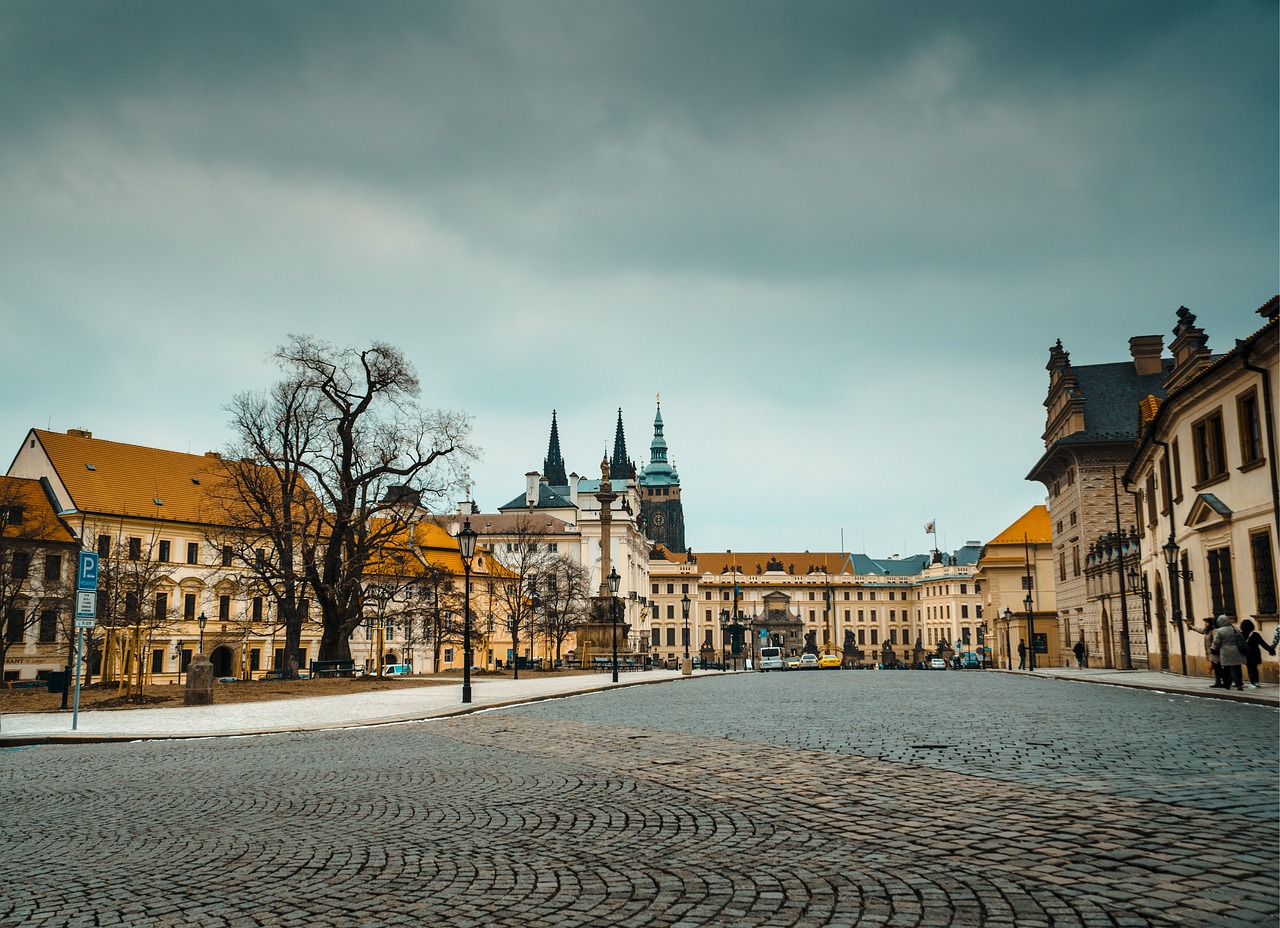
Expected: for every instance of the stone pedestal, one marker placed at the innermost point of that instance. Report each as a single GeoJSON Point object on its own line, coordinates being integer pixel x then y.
{"type": "Point", "coordinates": [595, 636]}
{"type": "Point", "coordinates": [686, 666]}
{"type": "Point", "coordinates": [199, 690]}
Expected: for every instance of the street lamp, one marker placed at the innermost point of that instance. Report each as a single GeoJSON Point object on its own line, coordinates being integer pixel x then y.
{"type": "Point", "coordinates": [614, 580]}
{"type": "Point", "coordinates": [1031, 629]}
{"type": "Point", "coordinates": [202, 622]}
{"type": "Point", "coordinates": [1138, 586]}
{"type": "Point", "coordinates": [686, 666]}
{"type": "Point", "coordinates": [466, 548]}
{"type": "Point", "coordinates": [1008, 650]}
{"type": "Point", "coordinates": [1171, 552]}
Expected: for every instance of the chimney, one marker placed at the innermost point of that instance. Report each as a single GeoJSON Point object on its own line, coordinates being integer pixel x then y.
{"type": "Point", "coordinates": [531, 481]}
{"type": "Point", "coordinates": [1146, 351]}
{"type": "Point", "coordinates": [80, 433]}
{"type": "Point", "coordinates": [573, 489]}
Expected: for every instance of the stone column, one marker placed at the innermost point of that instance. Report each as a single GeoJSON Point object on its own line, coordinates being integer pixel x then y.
{"type": "Point", "coordinates": [199, 688]}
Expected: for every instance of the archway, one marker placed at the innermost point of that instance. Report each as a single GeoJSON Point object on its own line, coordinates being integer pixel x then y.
{"type": "Point", "coordinates": [222, 662]}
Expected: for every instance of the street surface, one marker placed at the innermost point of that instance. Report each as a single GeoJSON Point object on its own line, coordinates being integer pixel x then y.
{"type": "Point", "coordinates": [805, 799]}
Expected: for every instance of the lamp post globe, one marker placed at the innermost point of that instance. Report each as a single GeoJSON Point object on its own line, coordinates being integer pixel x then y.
{"type": "Point", "coordinates": [1031, 631]}
{"type": "Point", "coordinates": [467, 549]}
{"type": "Point", "coordinates": [1008, 650]}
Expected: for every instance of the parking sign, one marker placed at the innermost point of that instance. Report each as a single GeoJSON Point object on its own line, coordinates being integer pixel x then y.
{"type": "Point", "coordinates": [87, 572]}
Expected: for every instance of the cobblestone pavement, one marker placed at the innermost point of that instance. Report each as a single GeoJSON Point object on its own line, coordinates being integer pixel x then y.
{"type": "Point", "coordinates": [831, 798]}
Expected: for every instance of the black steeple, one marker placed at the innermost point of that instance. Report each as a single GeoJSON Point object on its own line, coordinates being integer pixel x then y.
{"type": "Point", "coordinates": [619, 466]}
{"type": "Point", "coordinates": [553, 464]}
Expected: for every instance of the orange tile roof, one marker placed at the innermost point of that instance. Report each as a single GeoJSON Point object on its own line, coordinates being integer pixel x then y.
{"type": "Point", "coordinates": [40, 523]}
{"type": "Point", "coordinates": [1033, 525]}
{"type": "Point", "coordinates": [114, 478]}
{"type": "Point", "coordinates": [751, 562]}
{"type": "Point", "coordinates": [439, 549]}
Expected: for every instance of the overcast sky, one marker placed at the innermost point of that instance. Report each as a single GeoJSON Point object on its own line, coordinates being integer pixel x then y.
{"type": "Point", "coordinates": [839, 238]}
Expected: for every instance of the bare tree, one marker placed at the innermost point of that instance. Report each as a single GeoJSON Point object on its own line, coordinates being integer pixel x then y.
{"type": "Point", "coordinates": [331, 440]}
{"type": "Point", "coordinates": [133, 598]}
{"type": "Point", "coordinates": [31, 531]}
{"type": "Point", "coordinates": [565, 591]}
{"type": "Point", "coordinates": [516, 597]}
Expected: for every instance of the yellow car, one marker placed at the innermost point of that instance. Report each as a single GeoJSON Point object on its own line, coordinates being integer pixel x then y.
{"type": "Point", "coordinates": [830, 660]}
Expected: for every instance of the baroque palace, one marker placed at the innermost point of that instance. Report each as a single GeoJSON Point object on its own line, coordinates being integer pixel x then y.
{"type": "Point", "coordinates": [1161, 509]}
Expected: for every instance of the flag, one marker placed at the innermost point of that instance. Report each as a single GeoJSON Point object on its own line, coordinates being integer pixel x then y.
{"type": "Point", "coordinates": [930, 528]}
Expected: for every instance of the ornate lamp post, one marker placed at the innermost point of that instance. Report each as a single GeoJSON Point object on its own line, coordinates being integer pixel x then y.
{"type": "Point", "coordinates": [1171, 552]}
{"type": "Point", "coordinates": [1031, 630]}
{"type": "Point", "coordinates": [466, 548]}
{"type": "Point", "coordinates": [202, 622]}
{"type": "Point", "coordinates": [686, 665]}
{"type": "Point", "coordinates": [614, 581]}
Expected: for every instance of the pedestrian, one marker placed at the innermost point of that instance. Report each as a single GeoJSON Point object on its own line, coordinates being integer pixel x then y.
{"type": "Point", "coordinates": [1211, 650]}
{"type": "Point", "coordinates": [1253, 646]}
{"type": "Point", "coordinates": [1080, 650]}
{"type": "Point", "coordinates": [1226, 637]}
{"type": "Point", "coordinates": [1022, 654]}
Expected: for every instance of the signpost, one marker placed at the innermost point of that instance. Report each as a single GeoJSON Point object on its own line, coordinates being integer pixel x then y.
{"type": "Point", "coordinates": [86, 612]}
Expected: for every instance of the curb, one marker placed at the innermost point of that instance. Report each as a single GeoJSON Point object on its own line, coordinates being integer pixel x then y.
{"type": "Point", "coordinates": [69, 738]}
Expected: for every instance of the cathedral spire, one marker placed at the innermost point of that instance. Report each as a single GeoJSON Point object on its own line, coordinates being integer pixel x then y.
{"type": "Point", "coordinates": [553, 464]}
{"type": "Point", "coordinates": [620, 465]}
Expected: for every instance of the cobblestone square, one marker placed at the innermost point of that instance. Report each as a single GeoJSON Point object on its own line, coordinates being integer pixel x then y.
{"type": "Point", "coordinates": [802, 799]}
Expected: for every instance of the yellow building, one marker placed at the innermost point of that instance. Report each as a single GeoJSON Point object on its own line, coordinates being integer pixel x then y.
{"type": "Point", "coordinates": [1015, 573]}
{"type": "Point", "coordinates": [167, 587]}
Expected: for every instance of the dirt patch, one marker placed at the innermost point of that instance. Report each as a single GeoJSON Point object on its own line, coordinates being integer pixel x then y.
{"type": "Point", "coordinates": [107, 696]}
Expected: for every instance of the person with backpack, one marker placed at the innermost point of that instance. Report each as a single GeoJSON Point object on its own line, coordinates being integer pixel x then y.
{"type": "Point", "coordinates": [1230, 645]}
{"type": "Point", "coordinates": [1253, 647]}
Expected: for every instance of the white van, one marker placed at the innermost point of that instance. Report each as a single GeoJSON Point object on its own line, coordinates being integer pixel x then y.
{"type": "Point", "coordinates": [771, 659]}
{"type": "Point", "coordinates": [395, 670]}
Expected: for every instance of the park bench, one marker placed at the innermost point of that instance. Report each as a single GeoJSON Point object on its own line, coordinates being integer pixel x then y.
{"type": "Point", "coordinates": [342, 668]}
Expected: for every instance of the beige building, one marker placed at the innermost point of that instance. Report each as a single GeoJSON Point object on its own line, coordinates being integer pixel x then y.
{"type": "Point", "coordinates": [1016, 574]}
{"type": "Point", "coordinates": [1092, 427]}
{"type": "Point", "coordinates": [1204, 479]}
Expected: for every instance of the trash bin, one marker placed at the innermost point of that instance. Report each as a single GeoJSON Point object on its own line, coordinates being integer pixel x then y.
{"type": "Point", "coordinates": [57, 681]}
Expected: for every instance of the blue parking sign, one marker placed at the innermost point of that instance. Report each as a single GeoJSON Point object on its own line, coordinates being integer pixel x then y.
{"type": "Point", "coordinates": [87, 571]}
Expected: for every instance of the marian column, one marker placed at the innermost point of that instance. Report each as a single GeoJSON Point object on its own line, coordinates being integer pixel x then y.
{"type": "Point", "coordinates": [606, 496]}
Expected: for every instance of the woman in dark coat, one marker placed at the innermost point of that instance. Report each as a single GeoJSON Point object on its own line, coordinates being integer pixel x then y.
{"type": "Point", "coordinates": [1253, 645]}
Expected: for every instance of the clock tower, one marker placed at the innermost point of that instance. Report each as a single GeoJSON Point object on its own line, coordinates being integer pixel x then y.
{"type": "Point", "coordinates": [660, 508]}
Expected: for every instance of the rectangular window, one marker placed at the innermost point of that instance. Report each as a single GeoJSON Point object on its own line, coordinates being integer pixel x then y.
{"type": "Point", "coordinates": [104, 546]}
{"type": "Point", "coordinates": [21, 565]}
{"type": "Point", "coordinates": [135, 549]}
{"type": "Point", "coordinates": [1166, 485]}
{"type": "Point", "coordinates": [189, 606]}
{"type": "Point", "coordinates": [1210, 451]}
{"type": "Point", "coordinates": [255, 658]}
{"type": "Point", "coordinates": [226, 555]}
{"type": "Point", "coordinates": [671, 637]}
{"type": "Point", "coordinates": [163, 555]}
{"type": "Point", "coordinates": [1177, 470]}
{"type": "Point", "coordinates": [684, 588]}
{"type": "Point", "coordinates": [1250, 428]}
{"type": "Point", "coordinates": [193, 552]}
{"type": "Point", "coordinates": [1062, 564]}
{"type": "Point", "coordinates": [448, 655]}
{"type": "Point", "coordinates": [657, 637]}
{"type": "Point", "coordinates": [1221, 587]}
{"type": "Point", "coordinates": [52, 568]}
{"type": "Point", "coordinates": [862, 636]}
{"type": "Point", "coordinates": [655, 589]}
{"type": "Point", "coordinates": [671, 588]}
{"type": "Point", "coordinates": [1264, 572]}
{"type": "Point", "coordinates": [224, 608]}
{"type": "Point", "coordinates": [48, 626]}
{"type": "Point", "coordinates": [1027, 583]}
{"type": "Point", "coordinates": [13, 625]}
{"type": "Point", "coordinates": [185, 660]}
{"type": "Point", "coordinates": [1075, 560]}
{"type": "Point", "coordinates": [257, 608]}
{"type": "Point", "coordinates": [162, 605]}
{"type": "Point", "coordinates": [671, 611]}
{"type": "Point", "coordinates": [874, 636]}
{"type": "Point", "coordinates": [157, 661]}
{"type": "Point", "coordinates": [1151, 497]}
{"type": "Point", "coordinates": [260, 558]}
{"type": "Point", "coordinates": [964, 611]}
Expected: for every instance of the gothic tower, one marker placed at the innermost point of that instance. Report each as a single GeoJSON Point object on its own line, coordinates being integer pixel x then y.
{"type": "Point", "coordinates": [620, 468]}
{"type": "Point", "coordinates": [660, 506]}
{"type": "Point", "coordinates": [553, 463]}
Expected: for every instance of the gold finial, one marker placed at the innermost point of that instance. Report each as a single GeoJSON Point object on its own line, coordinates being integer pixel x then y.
{"type": "Point", "coordinates": [658, 397]}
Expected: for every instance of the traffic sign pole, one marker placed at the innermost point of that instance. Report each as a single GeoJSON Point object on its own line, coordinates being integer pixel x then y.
{"type": "Point", "coordinates": [86, 611]}
{"type": "Point", "coordinates": [75, 712]}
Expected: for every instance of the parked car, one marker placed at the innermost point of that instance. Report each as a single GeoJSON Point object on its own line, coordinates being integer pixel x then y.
{"type": "Point", "coordinates": [397, 670]}
{"type": "Point", "coordinates": [809, 662]}
{"type": "Point", "coordinates": [771, 659]}
{"type": "Point", "coordinates": [828, 661]}
{"type": "Point", "coordinates": [938, 663]}
{"type": "Point", "coordinates": [970, 661]}
{"type": "Point", "coordinates": [792, 662]}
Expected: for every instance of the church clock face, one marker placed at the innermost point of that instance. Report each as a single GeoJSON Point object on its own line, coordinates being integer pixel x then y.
{"type": "Point", "coordinates": [659, 519]}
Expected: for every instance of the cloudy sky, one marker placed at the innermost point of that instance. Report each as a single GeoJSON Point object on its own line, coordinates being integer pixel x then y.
{"type": "Point", "coordinates": [838, 238]}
